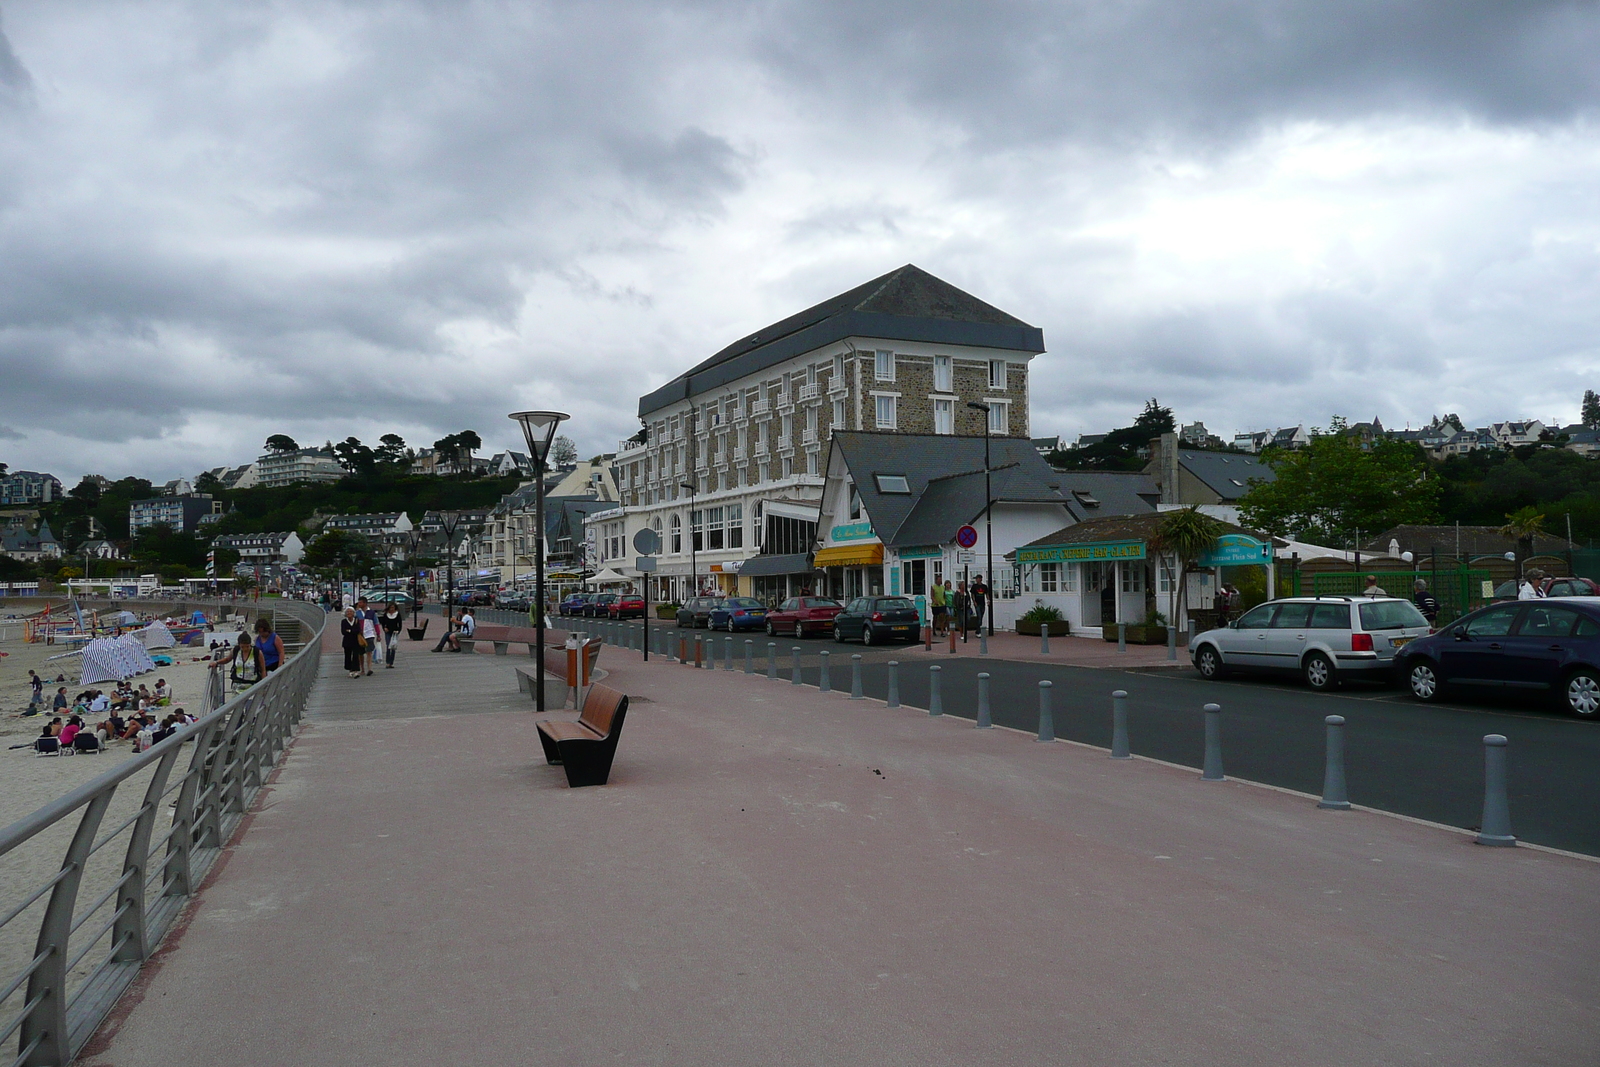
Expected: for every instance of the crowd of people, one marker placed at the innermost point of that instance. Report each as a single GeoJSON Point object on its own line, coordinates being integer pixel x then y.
{"type": "Point", "coordinates": [369, 637]}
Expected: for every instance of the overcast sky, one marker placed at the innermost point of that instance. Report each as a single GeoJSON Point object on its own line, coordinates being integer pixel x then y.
{"type": "Point", "coordinates": [220, 221]}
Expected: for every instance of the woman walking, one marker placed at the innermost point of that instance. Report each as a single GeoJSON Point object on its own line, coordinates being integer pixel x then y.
{"type": "Point", "coordinates": [350, 639]}
{"type": "Point", "coordinates": [269, 644]}
{"type": "Point", "coordinates": [390, 621]}
{"type": "Point", "coordinates": [370, 642]}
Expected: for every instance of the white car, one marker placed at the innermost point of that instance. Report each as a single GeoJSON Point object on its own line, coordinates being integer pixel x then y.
{"type": "Point", "coordinates": [1321, 638]}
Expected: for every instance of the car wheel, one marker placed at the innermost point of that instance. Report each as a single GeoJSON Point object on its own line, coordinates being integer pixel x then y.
{"type": "Point", "coordinates": [799, 629]}
{"type": "Point", "coordinates": [866, 635]}
{"type": "Point", "coordinates": [772, 631]}
{"type": "Point", "coordinates": [1422, 678]}
{"type": "Point", "coordinates": [1319, 672]}
{"type": "Point", "coordinates": [1208, 661]}
{"type": "Point", "coordinates": [730, 624]}
{"type": "Point", "coordinates": [1582, 692]}
{"type": "Point", "coordinates": [838, 634]}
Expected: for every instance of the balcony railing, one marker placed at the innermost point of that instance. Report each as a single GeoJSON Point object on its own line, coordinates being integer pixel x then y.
{"type": "Point", "coordinates": [761, 448]}
{"type": "Point", "coordinates": [629, 445]}
{"type": "Point", "coordinates": [738, 454]}
{"type": "Point", "coordinates": [810, 391]}
{"type": "Point", "coordinates": [758, 408]}
{"type": "Point", "coordinates": [808, 437]}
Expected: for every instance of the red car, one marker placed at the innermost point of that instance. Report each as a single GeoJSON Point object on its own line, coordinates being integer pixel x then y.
{"type": "Point", "coordinates": [626, 606]}
{"type": "Point", "coordinates": [802, 615]}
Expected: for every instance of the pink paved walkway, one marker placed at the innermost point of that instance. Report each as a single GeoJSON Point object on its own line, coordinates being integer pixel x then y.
{"type": "Point", "coordinates": [777, 877]}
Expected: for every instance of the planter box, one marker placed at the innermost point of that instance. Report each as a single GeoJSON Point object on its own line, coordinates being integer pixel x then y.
{"type": "Point", "coordinates": [667, 611]}
{"type": "Point", "coordinates": [1058, 628]}
{"type": "Point", "coordinates": [419, 633]}
{"type": "Point", "coordinates": [1138, 634]}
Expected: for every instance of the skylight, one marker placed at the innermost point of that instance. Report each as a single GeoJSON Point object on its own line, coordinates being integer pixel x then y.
{"type": "Point", "coordinates": [893, 483]}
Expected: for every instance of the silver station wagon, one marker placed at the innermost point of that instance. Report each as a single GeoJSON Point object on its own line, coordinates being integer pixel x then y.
{"type": "Point", "coordinates": [1321, 638]}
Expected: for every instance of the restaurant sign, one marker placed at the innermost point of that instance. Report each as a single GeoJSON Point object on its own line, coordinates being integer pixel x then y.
{"type": "Point", "coordinates": [855, 531]}
{"type": "Point", "coordinates": [1084, 553]}
{"type": "Point", "coordinates": [1237, 550]}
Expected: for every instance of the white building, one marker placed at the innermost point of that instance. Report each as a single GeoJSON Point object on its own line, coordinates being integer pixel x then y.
{"type": "Point", "coordinates": [302, 465]}
{"type": "Point", "coordinates": [262, 549]}
{"type": "Point", "coordinates": [734, 451]}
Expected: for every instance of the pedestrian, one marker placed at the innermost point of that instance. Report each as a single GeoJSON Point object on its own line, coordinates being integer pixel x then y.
{"type": "Point", "coordinates": [1532, 585]}
{"type": "Point", "coordinates": [350, 641]}
{"type": "Point", "coordinates": [980, 600]}
{"type": "Point", "coordinates": [38, 688]}
{"type": "Point", "coordinates": [269, 644]}
{"type": "Point", "coordinates": [959, 607]}
{"type": "Point", "coordinates": [1372, 587]}
{"type": "Point", "coordinates": [1426, 602]}
{"type": "Point", "coordinates": [941, 608]}
{"type": "Point", "coordinates": [390, 622]}
{"type": "Point", "coordinates": [371, 643]}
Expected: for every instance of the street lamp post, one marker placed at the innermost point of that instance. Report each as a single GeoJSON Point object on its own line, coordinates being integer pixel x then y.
{"type": "Point", "coordinates": [449, 520]}
{"type": "Point", "coordinates": [539, 431]}
{"type": "Point", "coordinates": [988, 521]}
{"type": "Point", "coordinates": [694, 567]}
{"type": "Point", "coordinates": [413, 541]}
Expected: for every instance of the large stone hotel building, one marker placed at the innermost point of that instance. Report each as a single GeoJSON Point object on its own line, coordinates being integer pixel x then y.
{"type": "Point", "coordinates": [730, 462]}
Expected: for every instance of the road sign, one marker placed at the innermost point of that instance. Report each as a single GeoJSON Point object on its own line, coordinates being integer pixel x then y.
{"type": "Point", "coordinates": [647, 542]}
{"type": "Point", "coordinates": [966, 537]}
{"type": "Point", "coordinates": [966, 559]}
{"type": "Point", "coordinates": [645, 564]}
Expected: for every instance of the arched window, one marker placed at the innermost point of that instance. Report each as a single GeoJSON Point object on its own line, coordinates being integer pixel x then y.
{"type": "Point", "coordinates": [677, 535]}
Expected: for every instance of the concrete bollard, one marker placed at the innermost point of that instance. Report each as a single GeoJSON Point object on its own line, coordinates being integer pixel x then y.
{"type": "Point", "coordinates": [699, 651]}
{"type": "Point", "coordinates": [1044, 639]}
{"type": "Point", "coordinates": [1334, 795]}
{"type": "Point", "coordinates": [1172, 644]}
{"type": "Point", "coordinates": [749, 650]}
{"type": "Point", "coordinates": [1119, 725]}
{"type": "Point", "coordinates": [894, 683]}
{"type": "Point", "coordinates": [727, 653]}
{"type": "Point", "coordinates": [794, 679]}
{"type": "Point", "coordinates": [935, 702]}
{"type": "Point", "coordinates": [855, 677]}
{"type": "Point", "coordinates": [824, 684]}
{"type": "Point", "coordinates": [984, 722]}
{"type": "Point", "coordinates": [1194, 629]}
{"type": "Point", "coordinates": [711, 653]}
{"type": "Point", "coordinates": [772, 661]}
{"type": "Point", "coordinates": [1122, 637]}
{"type": "Point", "coordinates": [983, 643]}
{"type": "Point", "coordinates": [1047, 719]}
{"type": "Point", "coordinates": [1496, 828]}
{"type": "Point", "coordinates": [1213, 765]}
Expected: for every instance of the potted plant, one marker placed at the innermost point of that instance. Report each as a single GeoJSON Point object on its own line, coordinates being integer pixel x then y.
{"type": "Point", "coordinates": [1152, 631]}
{"type": "Point", "coordinates": [668, 611]}
{"type": "Point", "coordinates": [1035, 618]}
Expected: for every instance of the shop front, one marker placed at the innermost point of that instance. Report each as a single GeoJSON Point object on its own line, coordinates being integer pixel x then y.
{"type": "Point", "coordinates": [851, 570]}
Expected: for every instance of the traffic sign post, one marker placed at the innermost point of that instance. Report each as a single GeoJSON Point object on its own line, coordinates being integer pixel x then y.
{"type": "Point", "coordinates": [647, 543]}
{"type": "Point", "coordinates": [966, 538]}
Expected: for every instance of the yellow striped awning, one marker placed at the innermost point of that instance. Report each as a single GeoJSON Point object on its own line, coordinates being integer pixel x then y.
{"type": "Point", "coordinates": [849, 556]}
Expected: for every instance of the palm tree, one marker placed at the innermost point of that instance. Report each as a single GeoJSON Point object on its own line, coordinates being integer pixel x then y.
{"type": "Point", "coordinates": [1521, 525]}
{"type": "Point", "coordinates": [1189, 534]}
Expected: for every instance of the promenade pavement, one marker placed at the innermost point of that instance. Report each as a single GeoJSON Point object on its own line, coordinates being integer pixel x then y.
{"type": "Point", "coordinates": [777, 876]}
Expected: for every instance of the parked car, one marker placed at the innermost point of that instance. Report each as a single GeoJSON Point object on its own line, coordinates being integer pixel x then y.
{"type": "Point", "coordinates": [696, 611]}
{"type": "Point", "coordinates": [598, 606]}
{"type": "Point", "coordinates": [390, 596]}
{"type": "Point", "coordinates": [877, 619]}
{"type": "Point", "coordinates": [510, 602]}
{"type": "Point", "coordinates": [738, 613]}
{"type": "Point", "coordinates": [626, 606]}
{"type": "Point", "coordinates": [802, 615]}
{"type": "Point", "coordinates": [572, 603]}
{"type": "Point", "coordinates": [1323, 639]}
{"type": "Point", "coordinates": [1552, 587]}
{"type": "Point", "coordinates": [1548, 645]}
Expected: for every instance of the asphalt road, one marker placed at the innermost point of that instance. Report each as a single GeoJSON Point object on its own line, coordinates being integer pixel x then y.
{"type": "Point", "coordinates": [1420, 760]}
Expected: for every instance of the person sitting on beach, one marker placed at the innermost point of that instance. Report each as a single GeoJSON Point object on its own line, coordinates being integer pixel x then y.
{"type": "Point", "coordinates": [60, 702]}
{"type": "Point", "coordinates": [53, 728]}
{"type": "Point", "coordinates": [69, 731]}
{"type": "Point", "coordinates": [112, 728]}
{"type": "Point", "coordinates": [131, 730]}
{"type": "Point", "coordinates": [85, 741]}
{"type": "Point", "coordinates": [163, 692]}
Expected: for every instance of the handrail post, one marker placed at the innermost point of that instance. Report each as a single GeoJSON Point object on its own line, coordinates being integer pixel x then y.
{"type": "Point", "coordinates": [45, 1027]}
{"type": "Point", "coordinates": [128, 941]}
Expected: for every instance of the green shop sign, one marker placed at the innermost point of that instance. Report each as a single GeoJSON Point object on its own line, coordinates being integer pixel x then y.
{"type": "Point", "coordinates": [925, 552]}
{"type": "Point", "coordinates": [1237, 550]}
{"type": "Point", "coordinates": [855, 531]}
{"type": "Point", "coordinates": [1102, 550]}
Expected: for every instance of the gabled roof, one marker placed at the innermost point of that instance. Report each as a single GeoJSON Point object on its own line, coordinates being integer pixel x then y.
{"type": "Point", "coordinates": [1227, 474]}
{"type": "Point", "coordinates": [907, 304]}
{"type": "Point", "coordinates": [1125, 528]}
{"type": "Point", "coordinates": [1474, 541]}
{"type": "Point", "coordinates": [940, 501]}
{"type": "Point", "coordinates": [1097, 494]}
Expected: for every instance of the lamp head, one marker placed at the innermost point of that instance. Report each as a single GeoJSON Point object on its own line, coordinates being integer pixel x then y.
{"type": "Point", "coordinates": [688, 486]}
{"type": "Point", "coordinates": [975, 406]}
{"type": "Point", "coordinates": [539, 430]}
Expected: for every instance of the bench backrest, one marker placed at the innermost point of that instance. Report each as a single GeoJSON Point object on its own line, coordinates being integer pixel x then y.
{"type": "Point", "coordinates": [555, 662]}
{"type": "Point", "coordinates": [600, 708]}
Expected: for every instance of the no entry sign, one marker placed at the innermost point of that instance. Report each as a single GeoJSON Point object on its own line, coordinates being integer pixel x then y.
{"type": "Point", "coordinates": [966, 537]}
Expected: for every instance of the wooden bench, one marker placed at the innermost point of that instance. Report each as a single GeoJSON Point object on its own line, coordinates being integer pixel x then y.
{"type": "Point", "coordinates": [585, 748]}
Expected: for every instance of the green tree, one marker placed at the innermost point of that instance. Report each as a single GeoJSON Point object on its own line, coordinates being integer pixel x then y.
{"type": "Point", "coordinates": [563, 453]}
{"type": "Point", "coordinates": [208, 483]}
{"type": "Point", "coordinates": [355, 457]}
{"type": "Point", "coordinates": [1591, 409]}
{"type": "Point", "coordinates": [339, 550]}
{"type": "Point", "coordinates": [392, 451]}
{"type": "Point", "coordinates": [1521, 525]}
{"type": "Point", "coordinates": [1120, 449]}
{"type": "Point", "coordinates": [1331, 489]}
{"type": "Point", "coordinates": [281, 442]}
{"type": "Point", "coordinates": [1189, 534]}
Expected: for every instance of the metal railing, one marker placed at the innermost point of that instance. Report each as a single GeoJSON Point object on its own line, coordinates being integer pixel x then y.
{"type": "Point", "coordinates": [56, 998]}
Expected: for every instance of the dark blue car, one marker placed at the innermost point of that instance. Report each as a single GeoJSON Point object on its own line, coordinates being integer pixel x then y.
{"type": "Point", "coordinates": [738, 613]}
{"type": "Point", "coordinates": [1548, 645]}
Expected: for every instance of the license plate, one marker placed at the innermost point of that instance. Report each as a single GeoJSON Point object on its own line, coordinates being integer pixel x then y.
{"type": "Point", "coordinates": [1396, 642]}
{"type": "Point", "coordinates": [897, 628]}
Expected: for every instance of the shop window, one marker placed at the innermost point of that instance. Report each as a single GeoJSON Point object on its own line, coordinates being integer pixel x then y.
{"type": "Point", "coordinates": [1166, 577]}
{"type": "Point", "coordinates": [1049, 577]}
{"type": "Point", "coordinates": [1133, 576]}
{"type": "Point", "coordinates": [735, 525]}
{"type": "Point", "coordinates": [713, 528]}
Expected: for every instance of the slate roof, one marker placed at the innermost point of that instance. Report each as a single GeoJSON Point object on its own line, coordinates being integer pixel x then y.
{"type": "Point", "coordinates": [1108, 493]}
{"type": "Point", "coordinates": [1125, 528]}
{"type": "Point", "coordinates": [1219, 471]}
{"type": "Point", "coordinates": [907, 304]}
{"type": "Point", "coordinates": [1475, 541]}
{"type": "Point", "coordinates": [941, 501]}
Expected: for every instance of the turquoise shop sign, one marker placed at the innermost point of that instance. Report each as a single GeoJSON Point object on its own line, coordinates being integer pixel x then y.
{"type": "Point", "coordinates": [854, 531]}
{"type": "Point", "coordinates": [1085, 553]}
{"type": "Point", "coordinates": [1237, 550]}
{"type": "Point", "coordinates": [925, 552]}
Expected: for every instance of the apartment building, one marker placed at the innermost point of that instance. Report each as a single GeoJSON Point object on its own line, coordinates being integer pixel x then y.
{"type": "Point", "coordinates": [730, 463]}
{"type": "Point", "coordinates": [184, 514]}
{"type": "Point", "coordinates": [302, 465]}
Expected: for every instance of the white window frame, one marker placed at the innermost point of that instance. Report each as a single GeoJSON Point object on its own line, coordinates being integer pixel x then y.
{"type": "Point", "coordinates": [735, 525]}
{"type": "Point", "coordinates": [886, 404]}
{"type": "Point", "coordinates": [838, 415]}
{"type": "Point", "coordinates": [944, 374]}
{"type": "Point", "coordinates": [997, 374]}
{"type": "Point", "coordinates": [883, 365]}
{"type": "Point", "coordinates": [999, 416]}
{"type": "Point", "coordinates": [946, 406]}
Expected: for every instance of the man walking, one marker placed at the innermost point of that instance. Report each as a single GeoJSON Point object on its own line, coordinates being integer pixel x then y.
{"type": "Point", "coordinates": [941, 608]}
{"type": "Point", "coordinates": [1426, 602]}
{"type": "Point", "coordinates": [980, 600]}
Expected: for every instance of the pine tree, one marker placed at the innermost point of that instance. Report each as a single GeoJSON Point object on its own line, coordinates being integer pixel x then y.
{"type": "Point", "coordinates": [1591, 409]}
